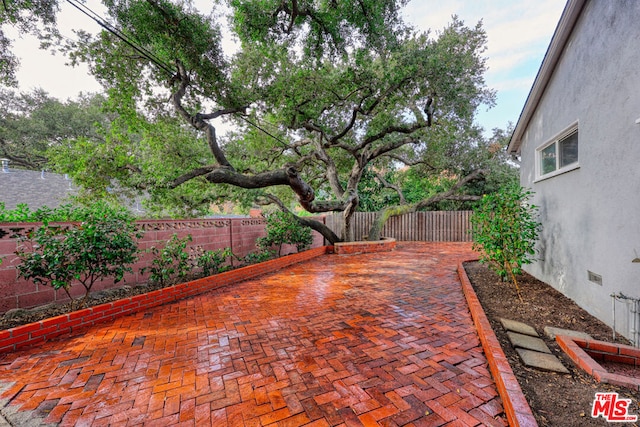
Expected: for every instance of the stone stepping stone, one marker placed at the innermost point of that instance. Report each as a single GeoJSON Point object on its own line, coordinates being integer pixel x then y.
{"type": "Point", "coordinates": [528, 342]}
{"type": "Point", "coordinates": [551, 332]}
{"type": "Point", "coordinates": [519, 327]}
{"type": "Point", "coordinates": [545, 361]}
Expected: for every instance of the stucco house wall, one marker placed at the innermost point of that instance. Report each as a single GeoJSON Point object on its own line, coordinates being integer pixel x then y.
{"type": "Point", "coordinates": [590, 213]}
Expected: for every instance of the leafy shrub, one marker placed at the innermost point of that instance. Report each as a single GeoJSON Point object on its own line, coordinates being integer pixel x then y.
{"type": "Point", "coordinates": [103, 245]}
{"type": "Point", "coordinates": [171, 262]}
{"type": "Point", "coordinates": [505, 230]}
{"type": "Point", "coordinates": [258, 256]}
{"type": "Point", "coordinates": [211, 262]}
{"type": "Point", "coordinates": [44, 214]}
{"type": "Point", "coordinates": [282, 227]}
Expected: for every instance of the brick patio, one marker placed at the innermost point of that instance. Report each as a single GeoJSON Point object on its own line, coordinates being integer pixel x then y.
{"type": "Point", "coordinates": [376, 339]}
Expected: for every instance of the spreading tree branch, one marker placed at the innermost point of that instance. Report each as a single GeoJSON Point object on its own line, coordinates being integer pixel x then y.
{"type": "Point", "coordinates": [383, 215]}
{"type": "Point", "coordinates": [321, 228]}
{"type": "Point", "coordinates": [394, 187]}
{"type": "Point", "coordinates": [198, 121]}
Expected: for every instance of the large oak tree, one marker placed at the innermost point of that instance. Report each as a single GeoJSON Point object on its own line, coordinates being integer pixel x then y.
{"type": "Point", "coordinates": [319, 92]}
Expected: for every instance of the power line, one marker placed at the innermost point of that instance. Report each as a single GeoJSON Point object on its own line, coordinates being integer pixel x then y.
{"type": "Point", "coordinates": [284, 144]}
{"type": "Point", "coordinates": [152, 58]}
{"type": "Point", "coordinates": [100, 21]}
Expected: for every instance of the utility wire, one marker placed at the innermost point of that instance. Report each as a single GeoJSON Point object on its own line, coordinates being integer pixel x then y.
{"type": "Point", "coordinates": [284, 144]}
{"type": "Point", "coordinates": [100, 21]}
{"type": "Point", "coordinates": [152, 58]}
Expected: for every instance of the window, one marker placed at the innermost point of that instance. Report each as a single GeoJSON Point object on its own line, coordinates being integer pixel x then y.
{"type": "Point", "coordinates": [560, 154]}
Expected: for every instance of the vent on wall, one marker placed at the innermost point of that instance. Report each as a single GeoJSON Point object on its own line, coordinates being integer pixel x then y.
{"type": "Point", "coordinates": [595, 278]}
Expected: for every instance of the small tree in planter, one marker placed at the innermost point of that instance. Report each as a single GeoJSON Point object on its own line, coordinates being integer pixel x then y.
{"type": "Point", "coordinates": [283, 228]}
{"type": "Point", "coordinates": [102, 245]}
{"type": "Point", "coordinates": [211, 262]}
{"type": "Point", "coordinates": [170, 263]}
{"type": "Point", "coordinates": [505, 231]}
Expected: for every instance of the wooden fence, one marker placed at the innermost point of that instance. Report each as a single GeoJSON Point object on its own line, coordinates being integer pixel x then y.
{"type": "Point", "coordinates": [431, 226]}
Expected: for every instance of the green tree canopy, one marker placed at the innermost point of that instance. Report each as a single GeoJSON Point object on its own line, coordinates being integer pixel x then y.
{"type": "Point", "coordinates": [318, 92]}
{"type": "Point", "coordinates": [37, 17]}
{"type": "Point", "coordinates": [32, 123]}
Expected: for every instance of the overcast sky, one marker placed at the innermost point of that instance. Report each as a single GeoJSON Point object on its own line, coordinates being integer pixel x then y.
{"type": "Point", "coordinates": [518, 34]}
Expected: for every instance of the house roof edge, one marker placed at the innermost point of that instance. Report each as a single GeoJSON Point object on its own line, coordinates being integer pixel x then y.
{"type": "Point", "coordinates": [566, 24]}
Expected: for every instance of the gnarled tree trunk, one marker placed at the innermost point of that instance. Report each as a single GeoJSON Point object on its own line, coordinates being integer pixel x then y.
{"type": "Point", "coordinates": [383, 215]}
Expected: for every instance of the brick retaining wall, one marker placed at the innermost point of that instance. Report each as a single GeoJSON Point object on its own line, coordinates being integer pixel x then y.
{"type": "Point", "coordinates": [212, 234]}
{"type": "Point", "coordinates": [386, 244]}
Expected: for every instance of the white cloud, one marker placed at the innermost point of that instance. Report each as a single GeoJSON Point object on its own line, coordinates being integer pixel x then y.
{"type": "Point", "coordinates": [520, 84]}
{"type": "Point", "coordinates": [518, 35]}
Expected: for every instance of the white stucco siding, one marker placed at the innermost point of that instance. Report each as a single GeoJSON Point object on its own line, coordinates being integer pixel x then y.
{"type": "Point", "coordinates": [591, 215]}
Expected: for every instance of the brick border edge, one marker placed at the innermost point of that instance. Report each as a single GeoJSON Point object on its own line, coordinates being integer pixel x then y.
{"type": "Point", "coordinates": [515, 404]}
{"type": "Point", "coordinates": [385, 244]}
{"type": "Point", "coordinates": [44, 330]}
{"type": "Point", "coordinates": [576, 349]}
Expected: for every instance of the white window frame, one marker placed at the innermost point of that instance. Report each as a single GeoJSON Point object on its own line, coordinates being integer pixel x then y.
{"type": "Point", "coordinates": [556, 140]}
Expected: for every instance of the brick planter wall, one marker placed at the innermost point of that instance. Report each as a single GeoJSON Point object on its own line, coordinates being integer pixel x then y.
{"type": "Point", "coordinates": [212, 234]}
{"type": "Point", "coordinates": [38, 332]}
{"type": "Point", "coordinates": [515, 403]}
{"type": "Point", "coordinates": [586, 354]}
{"type": "Point", "coordinates": [386, 244]}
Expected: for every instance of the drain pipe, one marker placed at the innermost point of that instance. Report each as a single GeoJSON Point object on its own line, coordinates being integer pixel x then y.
{"type": "Point", "coordinates": [635, 323]}
{"type": "Point", "coordinates": [613, 311]}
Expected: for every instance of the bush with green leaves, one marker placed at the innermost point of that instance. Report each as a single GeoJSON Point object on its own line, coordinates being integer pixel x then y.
{"type": "Point", "coordinates": [103, 245]}
{"type": "Point", "coordinates": [259, 256]}
{"type": "Point", "coordinates": [282, 228]}
{"type": "Point", "coordinates": [505, 230]}
{"type": "Point", "coordinates": [170, 263]}
{"type": "Point", "coordinates": [44, 214]}
{"type": "Point", "coordinates": [211, 262]}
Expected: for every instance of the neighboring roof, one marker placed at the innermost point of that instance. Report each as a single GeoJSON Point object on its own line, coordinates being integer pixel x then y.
{"type": "Point", "coordinates": [34, 188]}
{"type": "Point", "coordinates": [570, 15]}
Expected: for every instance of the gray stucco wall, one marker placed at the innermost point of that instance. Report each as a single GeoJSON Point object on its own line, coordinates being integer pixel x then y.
{"type": "Point", "coordinates": [591, 215]}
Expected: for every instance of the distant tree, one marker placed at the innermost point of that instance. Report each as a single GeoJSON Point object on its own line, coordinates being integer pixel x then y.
{"type": "Point", "coordinates": [33, 123]}
{"type": "Point", "coordinates": [37, 17]}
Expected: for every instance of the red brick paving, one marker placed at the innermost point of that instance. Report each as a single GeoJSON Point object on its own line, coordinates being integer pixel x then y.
{"type": "Point", "coordinates": [361, 340]}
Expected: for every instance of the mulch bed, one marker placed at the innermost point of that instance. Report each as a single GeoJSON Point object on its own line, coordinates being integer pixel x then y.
{"type": "Point", "coordinates": [555, 399]}
{"type": "Point", "coordinates": [17, 317]}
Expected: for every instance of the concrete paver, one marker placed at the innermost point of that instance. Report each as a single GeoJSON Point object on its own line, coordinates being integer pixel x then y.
{"type": "Point", "coordinates": [527, 342]}
{"type": "Point", "coordinates": [540, 360]}
{"type": "Point", "coordinates": [519, 327]}
{"type": "Point", "coordinates": [551, 332]}
{"type": "Point", "coordinates": [377, 339]}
